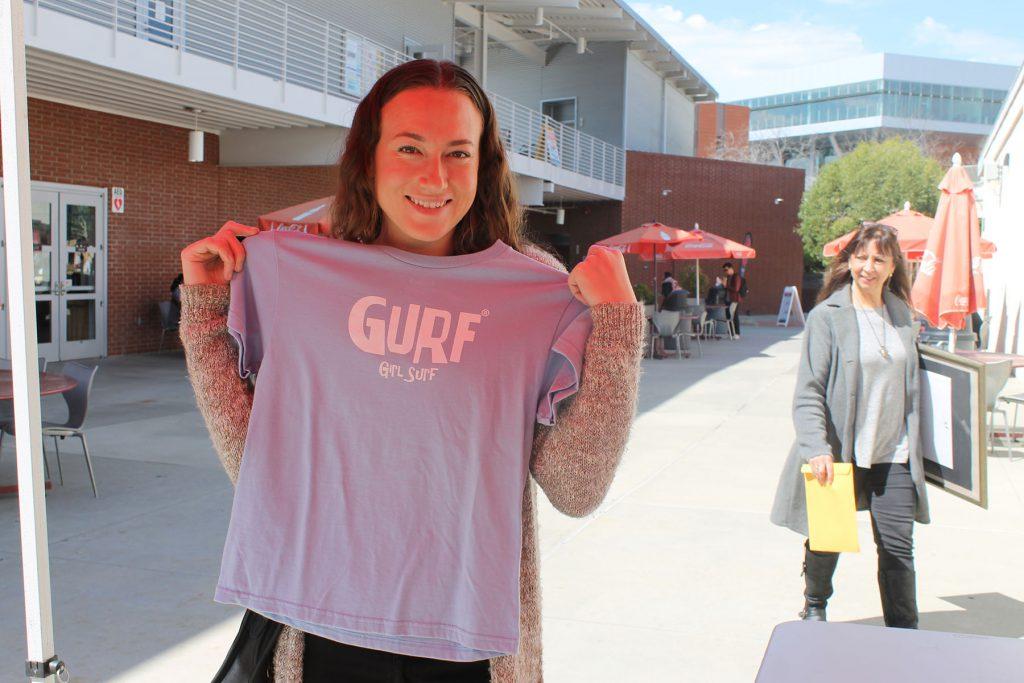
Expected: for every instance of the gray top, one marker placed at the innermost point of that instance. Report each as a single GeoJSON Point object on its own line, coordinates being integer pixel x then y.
{"type": "Point", "coordinates": [880, 435]}
{"type": "Point", "coordinates": [825, 402]}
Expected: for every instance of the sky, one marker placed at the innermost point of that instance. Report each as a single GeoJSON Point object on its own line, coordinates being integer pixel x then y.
{"type": "Point", "coordinates": [735, 43]}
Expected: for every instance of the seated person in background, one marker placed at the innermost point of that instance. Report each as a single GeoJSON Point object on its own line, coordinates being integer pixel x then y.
{"type": "Point", "coordinates": [676, 299]}
{"type": "Point", "coordinates": [716, 295]}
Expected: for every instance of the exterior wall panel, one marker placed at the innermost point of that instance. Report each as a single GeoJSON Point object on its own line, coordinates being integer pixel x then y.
{"type": "Point", "coordinates": [643, 106]}
{"type": "Point", "coordinates": [595, 79]}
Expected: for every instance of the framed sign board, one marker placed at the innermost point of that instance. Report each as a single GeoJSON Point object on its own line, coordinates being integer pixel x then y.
{"type": "Point", "coordinates": [954, 441]}
{"type": "Point", "coordinates": [790, 308]}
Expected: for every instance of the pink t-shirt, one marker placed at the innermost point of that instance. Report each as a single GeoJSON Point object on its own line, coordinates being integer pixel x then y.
{"type": "Point", "coordinates": [379, 501]}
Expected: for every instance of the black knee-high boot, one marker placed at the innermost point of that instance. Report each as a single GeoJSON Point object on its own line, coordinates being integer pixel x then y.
{"type": "Point", "coordinates": [818, 571]}
{"type": "Point", "coordinates": [898, 589]}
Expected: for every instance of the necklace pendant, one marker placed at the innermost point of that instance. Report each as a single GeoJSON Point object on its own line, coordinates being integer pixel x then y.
{"type": "Point", "coordinates": [884, 351]}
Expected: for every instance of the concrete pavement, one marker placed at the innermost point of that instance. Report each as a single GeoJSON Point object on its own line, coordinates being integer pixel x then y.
{"type": "Point", "coordinates": [677, 577]}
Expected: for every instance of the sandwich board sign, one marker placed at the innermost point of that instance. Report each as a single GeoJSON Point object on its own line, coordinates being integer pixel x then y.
{"type": "Point", "coordinates": [789, 308]}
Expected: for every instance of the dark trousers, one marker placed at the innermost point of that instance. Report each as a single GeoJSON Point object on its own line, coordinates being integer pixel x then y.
{"type": "Point", "coordinates": [893, 497]}
{"type": "Point", "coordinates": [326, 661]}
{"type": "Point", "coordinates": [250, 659]}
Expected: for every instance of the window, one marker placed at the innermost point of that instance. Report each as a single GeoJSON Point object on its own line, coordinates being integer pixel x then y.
{"type": "Point", "coordinates": [563, 111]}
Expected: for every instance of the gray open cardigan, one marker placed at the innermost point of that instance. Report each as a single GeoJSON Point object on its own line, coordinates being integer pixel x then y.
{"type": "Point", "coordinates": [825, 402]}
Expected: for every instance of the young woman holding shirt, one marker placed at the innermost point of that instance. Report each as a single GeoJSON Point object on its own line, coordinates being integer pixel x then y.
{"type": "Point", "coordinates": [419, 369]}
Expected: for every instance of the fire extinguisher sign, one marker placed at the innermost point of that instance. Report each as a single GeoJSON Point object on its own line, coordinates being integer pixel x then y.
{"type": "Point", "coordinates": [117, 200]}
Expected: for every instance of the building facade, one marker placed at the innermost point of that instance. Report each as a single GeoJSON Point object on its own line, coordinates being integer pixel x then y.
{"type": "Point", "coordinates": [1000, 193]}
{"type": "Point", "coordinates": [813, 115]}
{"type": "Point", "coordinates": [152, 123]}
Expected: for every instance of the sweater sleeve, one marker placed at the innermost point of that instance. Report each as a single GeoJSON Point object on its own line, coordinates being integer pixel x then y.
{"type": "Point", "coordinates": [575, 460]}
{"type": "Point", "coordinates": [223, 397]}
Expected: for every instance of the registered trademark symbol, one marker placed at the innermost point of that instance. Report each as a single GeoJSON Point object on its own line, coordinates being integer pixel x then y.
{"type": "Point", "coordinates": [486, 312]}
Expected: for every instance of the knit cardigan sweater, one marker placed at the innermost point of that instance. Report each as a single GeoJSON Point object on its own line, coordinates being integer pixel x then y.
{"type": "Point", "coordinates": [573, 461]}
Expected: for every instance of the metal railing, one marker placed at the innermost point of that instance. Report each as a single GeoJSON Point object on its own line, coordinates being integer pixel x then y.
{"type": "Point", "coordinates": [527, 132]}
{"type": "Point", "coordinates": [291, 45]}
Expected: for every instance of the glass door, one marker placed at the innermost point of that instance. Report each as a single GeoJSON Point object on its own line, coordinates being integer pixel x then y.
{"type": "Point", "coordinates": [45, 209]}
{"type": "Point", "coordinates": [68, 272]}
{"type": "Point", "coordinates": [79, 277]}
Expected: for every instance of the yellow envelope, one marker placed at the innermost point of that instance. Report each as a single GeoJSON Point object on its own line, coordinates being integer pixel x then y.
{"type": "Point", "coordinates": [832, 511]}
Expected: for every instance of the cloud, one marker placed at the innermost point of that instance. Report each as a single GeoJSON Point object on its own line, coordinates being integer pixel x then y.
{"type": "Point", "coordinates": [971, 44]}
{"type": "Point", "coordinates": [736, 57]}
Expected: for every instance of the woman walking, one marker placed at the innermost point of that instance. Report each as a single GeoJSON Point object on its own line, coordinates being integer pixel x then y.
{"type": "Point", "coordinates": [856, 401]}
{"type": "Point", "coordinates": [416, 369]}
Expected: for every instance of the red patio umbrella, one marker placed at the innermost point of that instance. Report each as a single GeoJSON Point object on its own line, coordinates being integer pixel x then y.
{"type": "Point", "coordinates": [650, 239]}
{"type": "Point", "coordinates": [912, 228]}
{"type": "Point", "coordinates": [949, 285]}
{"type": "Point", "coordinates": [708, 246]}
{"type": "Point", "coordinates": [313, 217]}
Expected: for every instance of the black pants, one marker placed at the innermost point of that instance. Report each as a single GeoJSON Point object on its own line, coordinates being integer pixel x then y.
{"type": "Point", "coordinates": [893, 499]}
{"type": "Point", "coordinates": [325, 661]}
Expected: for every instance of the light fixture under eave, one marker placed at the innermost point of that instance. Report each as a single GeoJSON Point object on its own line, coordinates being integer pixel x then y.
{"type": "Point", "coordinates": [581, 45]}
{"type": "Point", "coordinates": [559, 216]}
{"type": "Point", "coordinates": [195, 139]}
{"type": "Point", "coordinates": [539, 19]}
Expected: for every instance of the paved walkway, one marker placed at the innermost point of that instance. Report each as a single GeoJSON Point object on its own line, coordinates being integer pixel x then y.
{"type": "Point", "coordinates": [678, 577]}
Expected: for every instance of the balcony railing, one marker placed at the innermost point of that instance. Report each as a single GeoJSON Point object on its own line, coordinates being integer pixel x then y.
{"type": "Point", "coordinates": [293, 46]}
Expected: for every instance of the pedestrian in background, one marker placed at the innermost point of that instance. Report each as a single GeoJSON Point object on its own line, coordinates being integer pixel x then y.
{"type": "Point", "coordinates": [734, 295]}
{"type": "Point", "coordinates": [857, 401]}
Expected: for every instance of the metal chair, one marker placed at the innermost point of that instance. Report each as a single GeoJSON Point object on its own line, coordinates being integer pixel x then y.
{"type": "Point", "coordinates": [731, 320]}
{"type": "Point", "coordinates": [169, 317]}
{"type": "Point", "coordinates": [996, 375]}
{"type": "Point", "coordinates": [696, 333]}
{"type": "Point", "coordinates": [665, 325]}
{"type": "Point", "coordinates": [78, 405]}
{"type": "Point", "coordinates": [1015, 400]}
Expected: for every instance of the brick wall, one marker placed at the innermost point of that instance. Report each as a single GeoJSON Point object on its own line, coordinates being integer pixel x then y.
{"type": "Point", "coordinates": [169, 202]}
{"type": "Point", "coordinates": [729, 199]}
{"type": "Point", "coordinates": [721, 125]}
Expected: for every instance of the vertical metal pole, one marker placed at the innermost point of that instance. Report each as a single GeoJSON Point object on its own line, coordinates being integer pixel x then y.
{"type": "Point", "coordinates": [483, 48]}
{"type": "Point", "coordinates": [234, 49]}
{"type": "Point", "coordinates": [113, 32]}
{"type": "Point", "coordinates": [179, 30]}
{"type": "Point", "coordinates": [24, 350]}
{"type": "Point", "coordinates": [284, 55]}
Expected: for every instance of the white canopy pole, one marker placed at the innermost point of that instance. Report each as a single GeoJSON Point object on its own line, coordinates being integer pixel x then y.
{"type": "Point", "coordinates": [35, 558]}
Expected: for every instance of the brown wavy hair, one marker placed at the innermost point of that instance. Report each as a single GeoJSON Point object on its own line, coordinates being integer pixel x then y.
{"type": "Point", "coordinates": [885, 238]}
{"type": "Point", "coordinates": [495, 212]}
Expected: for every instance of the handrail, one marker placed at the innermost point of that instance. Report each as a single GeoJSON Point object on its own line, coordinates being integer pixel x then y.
{"type": "Point", "coordinates": [291, 45]}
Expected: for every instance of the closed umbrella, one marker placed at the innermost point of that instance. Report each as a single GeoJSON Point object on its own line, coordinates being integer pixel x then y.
{"type": "Point", "coordinates": [649, 240]}
{"type": "Point", "coordinates": [313, 217]}
{"type": "Point", "coordinates": [949, 285]}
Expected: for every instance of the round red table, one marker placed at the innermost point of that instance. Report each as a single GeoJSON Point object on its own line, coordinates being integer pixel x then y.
{"type": "Point", "coordinates": [49, 383]}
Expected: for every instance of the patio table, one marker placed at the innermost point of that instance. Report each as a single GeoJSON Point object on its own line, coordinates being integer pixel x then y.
{"type": "Point", "coordinates": [49, 383]}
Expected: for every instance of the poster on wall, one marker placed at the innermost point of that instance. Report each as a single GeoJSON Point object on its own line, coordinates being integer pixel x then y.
{"type": "Point", "coordinates": [954, 441]}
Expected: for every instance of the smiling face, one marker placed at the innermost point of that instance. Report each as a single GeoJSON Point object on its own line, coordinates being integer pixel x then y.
{"type": "Point", "coordinates": [870, 268]}
{"type": "Point", "coordinates": [425, 168]}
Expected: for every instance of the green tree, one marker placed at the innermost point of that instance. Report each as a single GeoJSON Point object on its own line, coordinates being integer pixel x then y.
{"type": "Point", "coordinates": [869, 183]}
